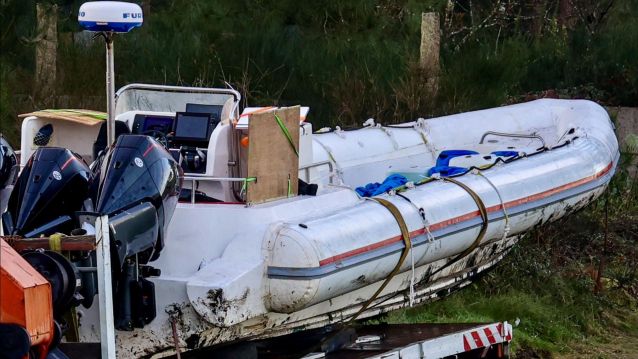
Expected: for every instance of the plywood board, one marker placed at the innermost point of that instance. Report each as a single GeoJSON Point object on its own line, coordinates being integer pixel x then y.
{"type": "Point", "coordinates": [84, 117]}
{"type": "Point", "coordinates": [271, 158]}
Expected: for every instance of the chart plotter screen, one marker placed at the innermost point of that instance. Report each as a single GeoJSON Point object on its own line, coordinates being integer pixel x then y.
{"type": "Point", "coordinates": [158, 123]}
{"type": "Point", "coordinates": [192, 126]}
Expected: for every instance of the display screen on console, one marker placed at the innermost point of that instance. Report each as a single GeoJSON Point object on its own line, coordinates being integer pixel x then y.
{"type": "Point", "coordinates": [215, 111]}
{"type": "Point", "coordinates": [158, 123]}
{"type": "Point", "coordinates": [192, 126]}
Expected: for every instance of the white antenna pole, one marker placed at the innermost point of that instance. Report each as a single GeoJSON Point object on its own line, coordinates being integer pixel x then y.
{"type": "Point", "coordinates": [110, 89]}
{"type": "Point", "coordinates": [108, 18]}
{"type": "Point", "coordinates": [105, 291]}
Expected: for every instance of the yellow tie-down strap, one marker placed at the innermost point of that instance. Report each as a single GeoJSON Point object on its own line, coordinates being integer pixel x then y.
{"type": "Point", "coordinates": [405, 234]}
{"type": "Point", "coordinates": [479, 237]}
{"type": "Point", "coordinates": [55, 242]}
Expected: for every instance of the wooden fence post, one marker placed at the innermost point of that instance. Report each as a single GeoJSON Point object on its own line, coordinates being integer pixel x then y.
{"type": "Point", "coordinates": [430, 48]}
{"type": "Point", "coordinates": [46, 53]}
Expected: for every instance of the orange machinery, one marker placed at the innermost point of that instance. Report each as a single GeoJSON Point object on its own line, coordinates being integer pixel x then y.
{"type": "Point", "coordinates": [25, 301]}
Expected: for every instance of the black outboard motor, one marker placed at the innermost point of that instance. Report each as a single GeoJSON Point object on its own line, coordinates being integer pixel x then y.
{"type": "Point", "coordinates": [52, 186]}
{"type": "Point", "coordinates": [8, 172]}
{"type": "Point", "coordinates": [139, 186]}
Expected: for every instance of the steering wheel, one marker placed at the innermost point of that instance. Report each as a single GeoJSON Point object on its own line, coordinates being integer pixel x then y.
{"type": "Point", "coordinates": [158, 135]}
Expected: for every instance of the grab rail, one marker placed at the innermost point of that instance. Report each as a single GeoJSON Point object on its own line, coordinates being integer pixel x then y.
{"type": "Point", "coordinates": [515, 135]}
{"type": "Point", "coordinates": [307, 168]}
{"type": "Point", "coordinates": [193, 177]}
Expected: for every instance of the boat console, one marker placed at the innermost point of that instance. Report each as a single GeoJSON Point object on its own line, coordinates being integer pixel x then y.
{"type": "Point", "coordinates": [200, 119]}
{"type": "Point", "coordinates": [184, 134]}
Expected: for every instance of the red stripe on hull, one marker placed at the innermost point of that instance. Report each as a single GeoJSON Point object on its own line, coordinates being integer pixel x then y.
{"type": "Point", "coordinates": [468, 216]}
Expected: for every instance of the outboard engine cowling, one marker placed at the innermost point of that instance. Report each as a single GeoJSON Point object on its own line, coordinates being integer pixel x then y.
{"type": "Point", "coordinates": [8, 172]}
{"type": "Point", "coordinates": [139, 188]}
{"type": "Point", "coordinates": [51, 188]}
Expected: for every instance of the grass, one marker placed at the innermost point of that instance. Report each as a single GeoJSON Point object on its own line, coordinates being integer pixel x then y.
{"type": "Point", "coordinates": [553, 313]}
{"type": "Point", "coordinates": [348, 61]}
{"type": "Point", "coordinates": [547, 282]}
{"type": "Point", "coordinates": [354, 60]}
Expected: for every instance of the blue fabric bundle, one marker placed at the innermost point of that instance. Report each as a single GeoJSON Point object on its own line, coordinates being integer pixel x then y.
{"type": "Point", "coordinates": [442, 167]}
{"type": "Point", "coordinates": [375, 189]}
{"type": "Point", "coordinates": [445, 156]}
{"type": "Point", "coordinates": [505, 153]}
{"type": "Point", "coordinates": [446, 171]}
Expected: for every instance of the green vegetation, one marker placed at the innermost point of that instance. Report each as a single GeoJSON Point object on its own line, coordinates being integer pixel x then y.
{"type": "Point", "coordinates": [351, 60]}
{"type": "Point", "coordinates": [548, 282]}
{"type": "Point", "coordinates": [348, 60]}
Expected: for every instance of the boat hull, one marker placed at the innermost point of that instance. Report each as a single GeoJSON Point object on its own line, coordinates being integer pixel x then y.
{"type": "Point", "coordinates": [232, 272]}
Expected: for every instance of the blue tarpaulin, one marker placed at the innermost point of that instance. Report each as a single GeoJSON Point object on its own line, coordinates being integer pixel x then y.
{"type": "Point", "coordinates": [445, 156]}
{"type": "Point", "coordinates": [505, 153]}
{"type": "Point", "coordinates": [375, 189]}
{"type": "Point", "coordinates": [446, 171]}
{"type": "Point", "coordinates": [442, 167]}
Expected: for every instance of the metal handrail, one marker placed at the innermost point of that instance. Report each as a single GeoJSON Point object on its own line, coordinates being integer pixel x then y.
{"type": "Point", "coordinates": [212, 90]}
{"type": "Point", "coordinates": [515, 135]}
{"type": "Point", "coordinates": [194, 177]}
{"type": "Point", "coordinates": [307, 168]}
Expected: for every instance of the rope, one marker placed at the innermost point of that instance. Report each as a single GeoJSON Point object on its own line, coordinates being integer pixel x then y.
{"type": "Point", "coordinates": [426, 224]}
{"type": "Point", "coordinates": [244, 187]}
{"type": "Point", "coordinates": [351, 189]}
{"type": "Point", "coordinates": [506, 229]}
{"type": "Point", "coordinates": [390, 135]}
{"type": "Point", "coordinates": [412, 279]}
{"type": "Point", "coordinates": [405, 234]}
{"type": "Point", "coordinates": [426, 228]}
{"type": "Point", "coordinates": [339, 172]}
{"type": "Point", "coordinates": [289, 187]}
{"type": "Point", "coordinates": [286, 133]}
{"type": "Point", "coordinates": [420, 127]}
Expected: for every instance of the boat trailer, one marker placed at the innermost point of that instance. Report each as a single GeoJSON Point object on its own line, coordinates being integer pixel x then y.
{"type": "Point", "coordinates": [454, 340]}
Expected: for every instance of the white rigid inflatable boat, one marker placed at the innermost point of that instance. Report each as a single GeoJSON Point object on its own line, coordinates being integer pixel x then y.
{"type": "Point", "coordinates": [231, 271]}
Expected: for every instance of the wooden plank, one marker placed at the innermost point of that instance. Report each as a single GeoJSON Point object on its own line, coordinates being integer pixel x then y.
{"type": "Point", "coordinates": [84, 117]}
{"type": "Point", "coordinates": [271, 158]}
{"type": "Point", "coordinates": [69, 243]}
